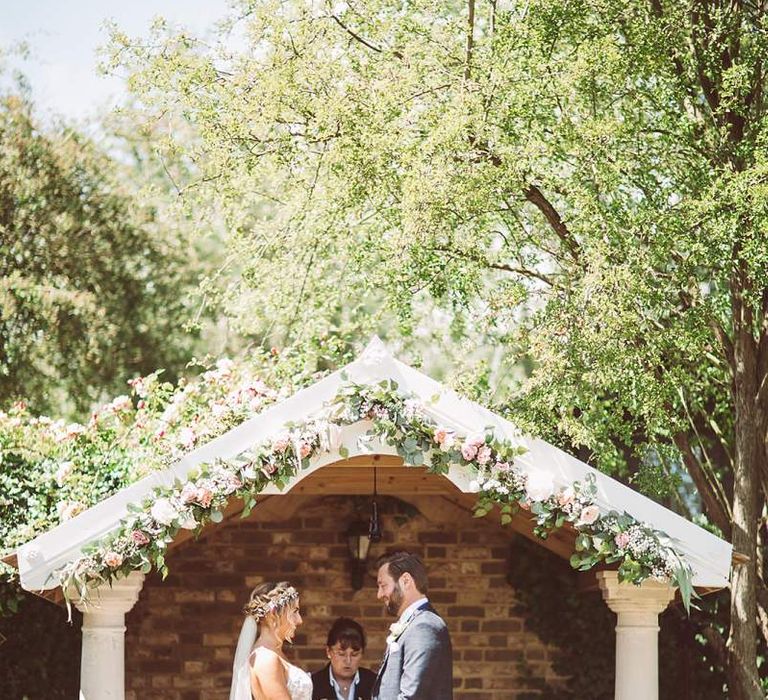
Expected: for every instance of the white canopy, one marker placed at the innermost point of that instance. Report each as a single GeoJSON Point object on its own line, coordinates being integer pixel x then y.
{"type": "Point", "coordinates": [708, 555]}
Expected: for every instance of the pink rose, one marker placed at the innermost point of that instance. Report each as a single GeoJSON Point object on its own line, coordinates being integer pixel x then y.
{"type": "Point", "coordinates": [139, 386]}
{"type": "Point", "coordinates": [588, 515]}
{"type": "Point", "coordinates": [502, 467]}
{"type": "Point", "coordinates": [444, 438]}
{"type": "Point", "coordinates": [484, 455]}
{"type": "Point", "coordinates": [304, 449]}
{"type": "Point", "coordinates": [281, 443]}
{"type": "Point", "coordinates": [139, 538]}
{"type": "Point", "coordinates": [621, 540]}
{"type": "Point", "coordinates": [113, 559]}
{"type": "Point", "coordinates": [188, 493]}
{"type": "Point", "coordinates": [469, 451]}
{"type": "Point", "coordinates": [269, 468]}
{"type": "Point", "coordinates": [120, 403]}
{"type": "Point", "coordinates": [204, 497]}
{"type": "Point", "coordinates": [440, 435]}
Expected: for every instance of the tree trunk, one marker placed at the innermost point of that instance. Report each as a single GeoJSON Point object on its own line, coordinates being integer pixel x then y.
{"type": "Point", "coordinates": [742, 643]}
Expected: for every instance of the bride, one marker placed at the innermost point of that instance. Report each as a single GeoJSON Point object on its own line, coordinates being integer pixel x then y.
{"type": "Point", "coordinates": [261, 671]}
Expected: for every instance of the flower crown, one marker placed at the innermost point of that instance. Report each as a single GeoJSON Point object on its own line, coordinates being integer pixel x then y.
{"type": "Point", "coordinates": [260, 610]}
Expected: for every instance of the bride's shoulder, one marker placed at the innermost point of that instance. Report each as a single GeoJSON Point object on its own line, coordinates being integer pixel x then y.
{"type": "Point", "coordinates": [265, 659]}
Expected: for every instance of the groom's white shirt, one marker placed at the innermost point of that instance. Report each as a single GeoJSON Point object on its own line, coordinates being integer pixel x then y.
{"type": "Point", "coordinates": [408, 612]}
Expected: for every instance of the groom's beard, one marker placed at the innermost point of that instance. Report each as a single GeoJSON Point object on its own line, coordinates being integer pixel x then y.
{"type": "Point", "coordinates": [395, 600]}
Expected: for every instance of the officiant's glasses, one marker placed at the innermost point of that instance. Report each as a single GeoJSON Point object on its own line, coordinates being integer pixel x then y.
{"type": "Point", "coordinates": [347, 653]}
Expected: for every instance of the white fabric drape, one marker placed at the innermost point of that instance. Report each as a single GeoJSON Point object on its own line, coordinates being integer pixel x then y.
{"type": "Point", "coordinates": [241, 676]}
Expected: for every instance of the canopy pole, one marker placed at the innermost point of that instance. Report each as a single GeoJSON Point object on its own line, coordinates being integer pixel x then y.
{"type": "Point", "coordinates": [102, 666]}
{"type": "Point", "coordinates": [637, 633]}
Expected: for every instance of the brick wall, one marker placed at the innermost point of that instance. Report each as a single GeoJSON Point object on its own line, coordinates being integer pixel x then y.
{"type": "Point", "coordinates": [182, 634]}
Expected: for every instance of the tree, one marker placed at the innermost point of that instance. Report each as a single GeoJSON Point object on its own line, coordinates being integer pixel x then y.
{"type": "Point", "coordinates": [584, 181]}
{"type": "Point", "coordinates": [92, 286]}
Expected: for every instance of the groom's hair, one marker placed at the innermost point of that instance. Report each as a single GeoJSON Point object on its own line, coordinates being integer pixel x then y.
{"type": "Point", "coordinates": [403, 562]}
{"type": "Point", "coordinates": [348, 633]}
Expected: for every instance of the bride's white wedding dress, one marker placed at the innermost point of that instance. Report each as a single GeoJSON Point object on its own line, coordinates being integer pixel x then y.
{"type": "Point", "coordinates": [299, 682]}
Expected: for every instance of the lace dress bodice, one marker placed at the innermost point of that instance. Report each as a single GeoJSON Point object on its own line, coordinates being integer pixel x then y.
{"type": "Point", "coordinates": [299, 683]}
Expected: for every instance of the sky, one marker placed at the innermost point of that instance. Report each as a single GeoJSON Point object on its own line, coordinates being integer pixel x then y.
{"type": "Point", "coordinates": [64, 36]}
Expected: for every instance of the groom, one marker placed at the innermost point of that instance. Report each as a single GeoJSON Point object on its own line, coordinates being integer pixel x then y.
{"type": "Point", "coordinates": [418, 663]}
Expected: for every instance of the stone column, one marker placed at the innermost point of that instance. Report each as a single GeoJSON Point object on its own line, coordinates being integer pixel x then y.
{"type": "Point", "coordinates": [102, 667]}
{"type": "Point", "coordinates": [637, 633]}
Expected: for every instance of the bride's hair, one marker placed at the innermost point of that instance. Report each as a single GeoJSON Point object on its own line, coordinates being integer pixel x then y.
{"type": "Point", "coordinates": [269, 597]}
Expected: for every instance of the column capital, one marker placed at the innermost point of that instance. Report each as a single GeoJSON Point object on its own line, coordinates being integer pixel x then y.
{"type": "Point", "coordinates": [649, 597]}
{"type": "Point", "coordinates": [118, 598]}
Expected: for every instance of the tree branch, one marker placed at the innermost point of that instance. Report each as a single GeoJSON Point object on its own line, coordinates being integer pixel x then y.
{"type": "Point", "coordinates": [360, 39]}
{"type": "Point", "coordinates": [715, 509]}
{"type": "Point", "coordinates": [470, 39]}
{"type": "Point", "coordinates": [481, 260]}
{"type": "Point", "coordinates": [535, 196]}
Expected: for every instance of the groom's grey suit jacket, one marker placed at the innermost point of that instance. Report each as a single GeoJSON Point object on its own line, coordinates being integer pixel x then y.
{"type": "Point", "coordinates": [420, 665]}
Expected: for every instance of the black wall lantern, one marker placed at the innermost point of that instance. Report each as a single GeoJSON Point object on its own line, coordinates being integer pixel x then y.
{"type": "Point", "coordinates": [359, 538]}
{"type": "Point", "coordinates": [359, 544]}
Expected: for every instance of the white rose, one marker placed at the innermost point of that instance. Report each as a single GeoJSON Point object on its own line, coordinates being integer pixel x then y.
{"type": "Point", "coordinates": [163, 511]}
{"type": "Point", "coordinates": [64, 470]}
{"type": "Point", "coordinates": [540, 486]}
{"type": "Point", "coordinates": [249, 473]}
{"type": "Point", "coordinates": [225, 364]}
{"type": "Point", "coordinates": [189, 523]}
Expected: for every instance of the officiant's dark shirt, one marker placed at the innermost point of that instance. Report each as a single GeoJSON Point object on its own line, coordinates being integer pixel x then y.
{"type": "Point", "coordinates": [322, 689]}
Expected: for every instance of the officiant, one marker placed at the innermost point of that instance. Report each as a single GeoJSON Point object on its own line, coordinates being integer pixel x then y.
{"type": "Point", "coordinates": [342, 678]}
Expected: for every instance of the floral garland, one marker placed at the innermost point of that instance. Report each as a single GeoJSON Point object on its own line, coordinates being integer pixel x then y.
{"type": "Point", "coordinates": [142, 539]}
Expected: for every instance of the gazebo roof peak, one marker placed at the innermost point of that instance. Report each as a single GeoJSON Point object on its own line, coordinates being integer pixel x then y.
{"type": "Point", "coordinates": [708, 555]}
